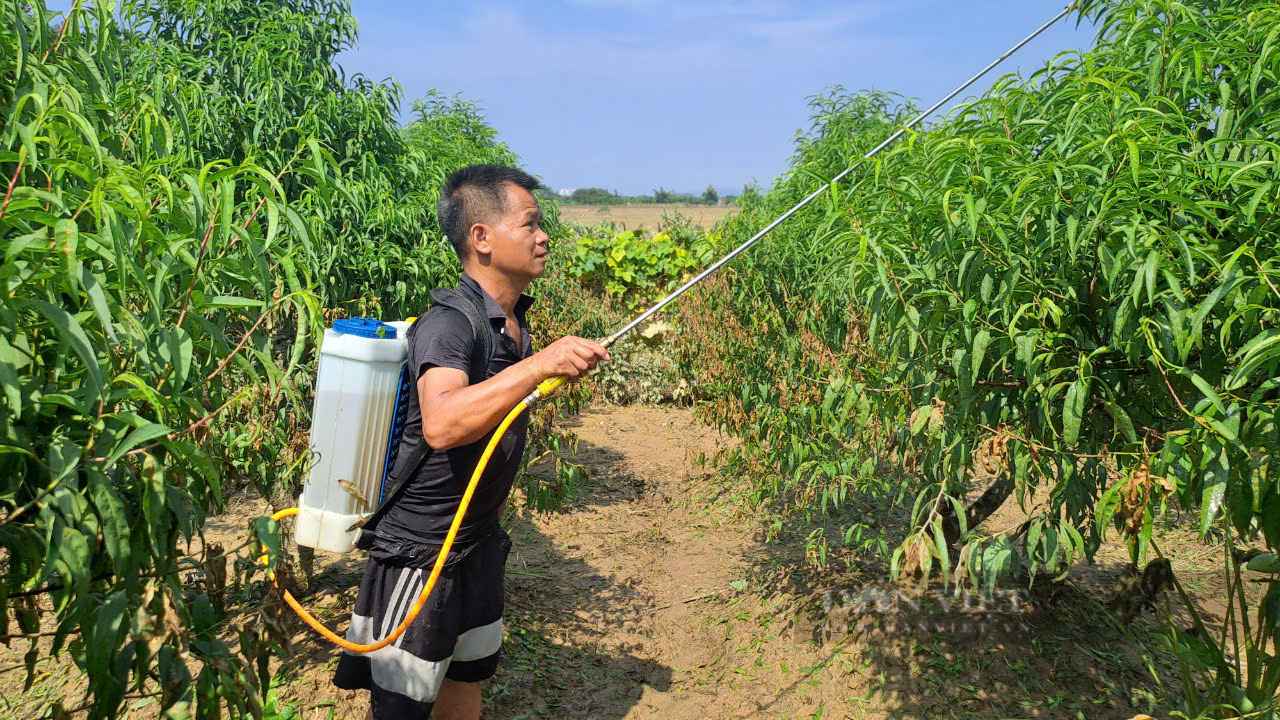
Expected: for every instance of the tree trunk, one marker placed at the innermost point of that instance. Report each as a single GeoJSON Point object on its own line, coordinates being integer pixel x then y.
{"type": "Point", "coordinates": [979, 511]}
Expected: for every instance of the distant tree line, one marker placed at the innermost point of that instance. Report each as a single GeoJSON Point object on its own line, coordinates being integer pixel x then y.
{"type": "Point", "coordinates": [662, 196]}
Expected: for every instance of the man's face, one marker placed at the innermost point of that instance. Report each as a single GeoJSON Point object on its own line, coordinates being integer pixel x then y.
{"type": "Point", "coordinates": [516, 243]}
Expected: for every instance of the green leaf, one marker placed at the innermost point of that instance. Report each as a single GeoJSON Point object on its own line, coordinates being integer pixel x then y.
{"type": "Point", "coordinates": [232, 301]}
{"type": "Point", "coordinates": [1133, 160]}
{"type": "Point", "coordinates": [98, 301]}
{"type": "Point", "coordinates": [1270, 612]}
{"type": "Point", "coordinates": [1208, 392]}
{"type": "Point", "coordinates": [1149, 271]}
{"type": "Point", "coordinates": [177, 352]}
{"type": "Point", "coordinates": [74, 336]}
{"type": "Point", "coordinates": [941, 550]}
{"type": "Point", "coordinates": [980, 343]}
{"type": "Point", "coordinates": [267, 534]}
{"type": "Point", "coordinates": [913, 316]}
{"type": "Point", "coordinates": [107, 631]}
{"type": "Point", "coordinates": [1107, 506]}
{"type": "Point", "coordinates": [1073, 411]}
{"type": "Point", "coordinates": [1026, 345]}
{"type": "Point", "coordinates": [1265, 563]}
{"type": "Point", "coordinates": [273, 224]}
{"type": "Point", "coordinates": [995, 561]}
{"type": "Point", "coordinates": [23, 46]}
{"type": "Point", "coordinates": [1262, 349]}
{"type": "Point", "coordinates": [1217, 475]}
{"type": "Point", "coordinates": [299, 227]}
{"type": "Point", "coordinates": [1263, 192]}
{"type": "Point", "coordinates": [11, 361]}
{"type": "Point", "coordinates": [228, 206]}
{"type": "Point", "coordinates": [67, 237]}
{"type": "Point", "coordinates": [63, 456]}
{"type": "Point", "coordinates": [919, 418]}
{"type": "Point", "coordinates": [90, 135]}
{"type": "Point", "coordinates": [115, 532]}
{"type": "Point", "coordinates": [1123, 423]}
{"type": "Point", "coordinates": [201, 464]}
{"type": "Point", "coordinates": [73, 552]}
{"type": "Point", "coordinates": [136, 438]}
{"type": "Point", "coordinates": [1206, 307]}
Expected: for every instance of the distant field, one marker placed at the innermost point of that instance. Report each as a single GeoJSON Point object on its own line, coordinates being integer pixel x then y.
{"type": "Point", "coordinates": [629, 217]}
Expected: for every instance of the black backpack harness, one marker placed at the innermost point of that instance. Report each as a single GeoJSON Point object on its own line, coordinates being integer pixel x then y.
{"type": "Point", "coordinates": [399, 469]}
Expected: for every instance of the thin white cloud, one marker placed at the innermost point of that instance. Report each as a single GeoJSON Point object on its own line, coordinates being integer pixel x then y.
{"type": "Point", "coordinates": [519, 48]}
{"type": "Point", "coordinates": [714, 37]}
{"type": "Point", "coordinates": [820, 34]}
{"type": "Point", "coordinates": [677, 9]}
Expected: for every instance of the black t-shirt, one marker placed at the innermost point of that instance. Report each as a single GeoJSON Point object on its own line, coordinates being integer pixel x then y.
{"type": "Point", "coordinates": [425, 509]}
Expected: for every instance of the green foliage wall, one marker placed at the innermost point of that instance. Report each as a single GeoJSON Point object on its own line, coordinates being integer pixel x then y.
{"type": "Point", "coordinates": [191, 190]}
{"type": "Point", "coordinates": [1074, 281]}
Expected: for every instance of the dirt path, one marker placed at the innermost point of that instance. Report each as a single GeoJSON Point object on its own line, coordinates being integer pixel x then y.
{"type": "Point", "coordinates": [626, 581]}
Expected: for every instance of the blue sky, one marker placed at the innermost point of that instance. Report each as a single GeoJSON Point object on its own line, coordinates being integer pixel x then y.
{"type": "Point", "coordinates": [636, 94]}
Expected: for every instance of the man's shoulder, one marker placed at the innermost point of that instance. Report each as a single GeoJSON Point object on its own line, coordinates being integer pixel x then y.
{"type": "Point", "coordinates": [440, 320]}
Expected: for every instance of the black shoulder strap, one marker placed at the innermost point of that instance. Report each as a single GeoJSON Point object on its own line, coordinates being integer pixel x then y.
{"type": "Point", "coordinates": [471, 305]}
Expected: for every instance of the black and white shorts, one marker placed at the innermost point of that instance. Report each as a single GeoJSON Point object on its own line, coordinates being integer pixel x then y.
{"type": "Point", "coordinates": [457, 635]}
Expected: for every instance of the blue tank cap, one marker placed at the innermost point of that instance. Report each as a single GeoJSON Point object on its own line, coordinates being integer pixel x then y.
{"type": "Point", "coordinates": [365, 327]}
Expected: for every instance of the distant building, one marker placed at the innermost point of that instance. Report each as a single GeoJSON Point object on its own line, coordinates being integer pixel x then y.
{"type": "Point", "coordinates": [565, 192]}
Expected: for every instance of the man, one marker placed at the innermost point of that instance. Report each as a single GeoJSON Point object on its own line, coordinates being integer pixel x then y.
{"type": "Point", "coordinates": [435, 669]}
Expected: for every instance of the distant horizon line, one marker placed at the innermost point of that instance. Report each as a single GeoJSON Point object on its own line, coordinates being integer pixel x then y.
{"type": "Point", "coordinates": [739, 188]}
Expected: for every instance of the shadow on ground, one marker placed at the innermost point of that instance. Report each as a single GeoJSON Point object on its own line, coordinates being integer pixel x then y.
{"type": "Point", "coordinates": [1052, 652]}
{"type": "Point", "coordinates": [545, 674]}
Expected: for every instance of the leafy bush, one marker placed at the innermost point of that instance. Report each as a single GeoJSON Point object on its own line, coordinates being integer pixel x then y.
{"type": "Point", "coordinates": [628, 260]}
{"type": "Point", "coordinates": [644, 369]}
{"type": "Point", "coordinates": [1073, 281]}
{"type": "Point", "coordinates": [633, 263]}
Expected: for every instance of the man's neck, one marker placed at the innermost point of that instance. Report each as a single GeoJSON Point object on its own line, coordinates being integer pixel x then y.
{"type": "Point", "coordinates": [500, 287]}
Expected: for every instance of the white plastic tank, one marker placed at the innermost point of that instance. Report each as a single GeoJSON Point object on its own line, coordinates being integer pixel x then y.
{"type": "Point", "coordinates": [356, 386]}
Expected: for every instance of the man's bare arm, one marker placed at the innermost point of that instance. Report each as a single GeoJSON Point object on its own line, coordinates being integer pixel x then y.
{"type": "Point", "coordinates": [455, 413]}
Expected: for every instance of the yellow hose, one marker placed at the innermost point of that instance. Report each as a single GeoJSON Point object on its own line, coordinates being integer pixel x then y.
{"type": "Point", "coordinates": [544, 389]}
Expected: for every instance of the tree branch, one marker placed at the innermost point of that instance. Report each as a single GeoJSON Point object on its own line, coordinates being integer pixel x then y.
{"type": "Point", "coordinates": [12, 182]}
{"type": "Point", "coordinates": [204, 245]}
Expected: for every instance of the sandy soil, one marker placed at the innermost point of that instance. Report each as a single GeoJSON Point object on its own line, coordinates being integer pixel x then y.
{"type": "Point", "coordinates": [630, 217]}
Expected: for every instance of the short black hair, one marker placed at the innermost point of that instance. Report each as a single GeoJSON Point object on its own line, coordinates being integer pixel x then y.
{"type": "Point", "coordinates": [475, 194]}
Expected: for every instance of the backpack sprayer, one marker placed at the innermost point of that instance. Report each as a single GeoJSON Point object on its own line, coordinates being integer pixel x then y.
{"type": "Point", "coordinates": [358, 417]}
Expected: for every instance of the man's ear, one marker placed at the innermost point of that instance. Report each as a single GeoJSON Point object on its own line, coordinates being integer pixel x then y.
{"type": "Point", "coordinates": [478, 238]}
